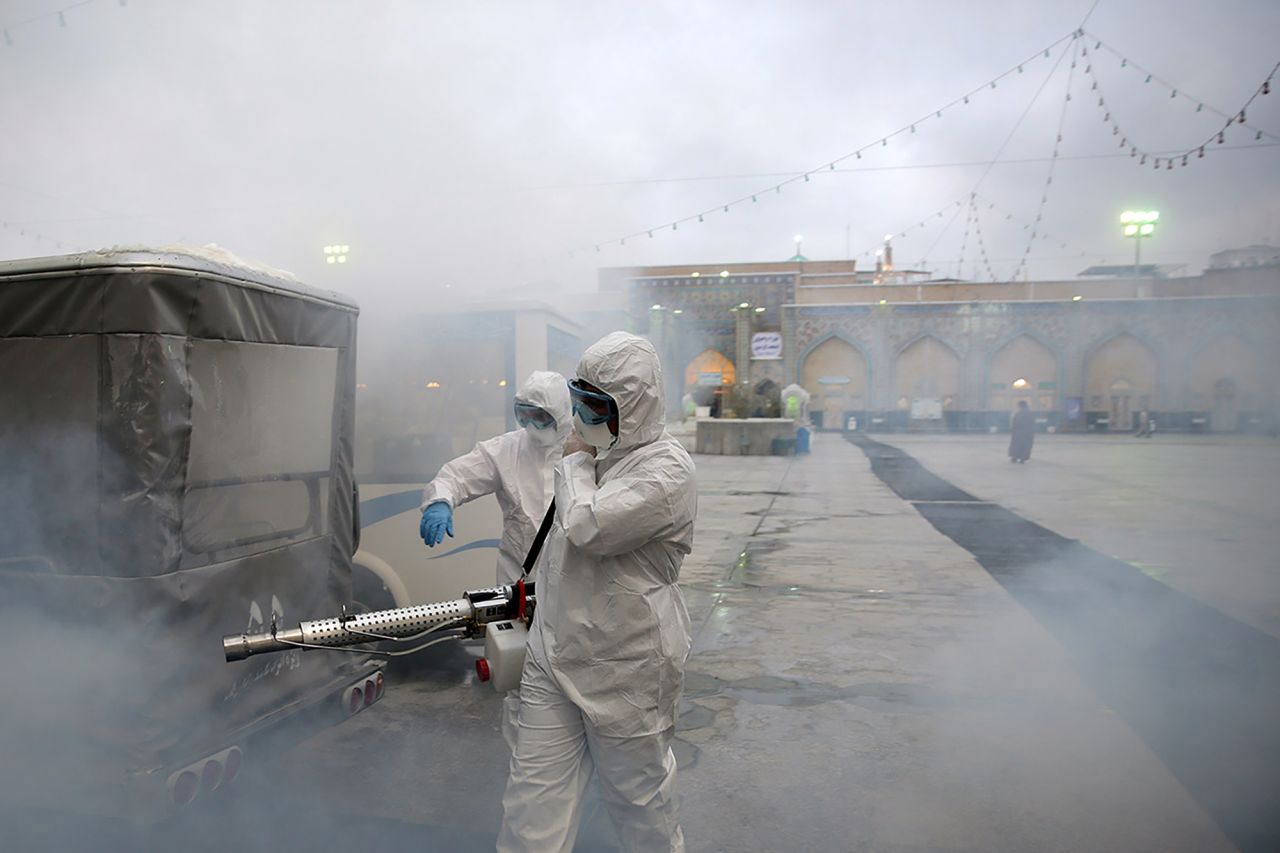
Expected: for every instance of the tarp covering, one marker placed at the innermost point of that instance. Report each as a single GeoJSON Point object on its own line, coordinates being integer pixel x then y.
{"type": "Point", "coordinates": [175, 464]}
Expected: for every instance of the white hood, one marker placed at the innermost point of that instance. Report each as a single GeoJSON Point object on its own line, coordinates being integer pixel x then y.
{"type": "Point", "coordinates": [626, 367]}
{"type": "Point", "coordinates": [550, 392]}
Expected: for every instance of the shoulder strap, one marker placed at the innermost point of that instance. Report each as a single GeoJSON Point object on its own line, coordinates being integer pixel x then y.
{"type": "Point", "coordinates": [543, 530]}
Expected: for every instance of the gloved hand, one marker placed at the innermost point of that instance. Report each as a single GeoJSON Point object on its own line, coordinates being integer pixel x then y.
{"type": "Point", "coordinates": [437, 520]}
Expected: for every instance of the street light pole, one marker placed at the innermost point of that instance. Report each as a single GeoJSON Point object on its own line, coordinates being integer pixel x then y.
{"type": "Point", "coordinates": [1138, 224]}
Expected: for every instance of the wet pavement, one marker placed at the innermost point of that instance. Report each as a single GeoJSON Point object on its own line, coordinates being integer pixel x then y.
{"type": "Point", "coordinates": [1202, 689]}
{"type": "Point", "coordinates": [859, 681]}
{"type": "Point", "coordinates": [1200, 513]}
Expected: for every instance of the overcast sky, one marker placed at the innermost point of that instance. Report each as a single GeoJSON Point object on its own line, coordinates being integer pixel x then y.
{"type": "Point", "coordinates": [478, 143]}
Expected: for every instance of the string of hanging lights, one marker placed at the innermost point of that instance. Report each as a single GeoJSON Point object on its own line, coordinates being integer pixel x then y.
{"type": "Point", "coordinates": [1180, 157]}
{"type": "Point", "coordinates": [1034, 226]}
{"type": "Point", "coordinates": [829, 166]}
{"type": "Point", "coordinates": [1237, 117]}
{"type": "Point", "coordinates": [59, 14]}
{"type": "Point", "coordinates": [982, 243]}
{"type": "Point", "coordinates": [964, 238]}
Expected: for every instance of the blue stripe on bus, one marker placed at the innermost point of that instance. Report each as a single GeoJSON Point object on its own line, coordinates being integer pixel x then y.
{"type": "Point", "coordinates": [479, 543]}
{"type": "Point", "coordinates": [381, 508]}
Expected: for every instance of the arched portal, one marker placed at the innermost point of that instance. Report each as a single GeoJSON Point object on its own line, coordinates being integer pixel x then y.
{"type": "Point", "coordinates": [706, 372]}
{"type": "Point", "coordinates": [835, 375]}
{"type": "Point", "coordinates": [926, 378]}
{"type": "Point", "coordinates": [1023, 369]}
{"type": "Point", "coordinates": [1122, 379]}
{"type": "Point", "coordinates": [1227, 379]}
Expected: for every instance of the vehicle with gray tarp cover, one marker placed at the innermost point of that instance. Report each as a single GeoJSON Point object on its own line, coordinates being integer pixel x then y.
{"type": "Point", "coordinates": [175, 460]}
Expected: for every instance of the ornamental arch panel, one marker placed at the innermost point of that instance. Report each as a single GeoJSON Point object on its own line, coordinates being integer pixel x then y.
{"type": "Point", "coordinates": [926, 368]}
{"type": "Point", "coordinates": [1122, 378]}
{"type": "Point", "coordinates": [834, 372]}
{"type": "Point", "coordinates": [1023, 369]}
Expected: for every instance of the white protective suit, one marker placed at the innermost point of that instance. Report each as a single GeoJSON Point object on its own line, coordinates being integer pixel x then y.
{"type": "Point", "coordinates": [610, 635]}
{"type": "Point", "coordinates": [521, 473]}
{"type": "Point", "coordinates": [515, 468]}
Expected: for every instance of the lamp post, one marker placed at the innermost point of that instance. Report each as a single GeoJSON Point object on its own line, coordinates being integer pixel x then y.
{"type": "Point", "coordinates": [337, 253]}
{"type": "Point", "coordinates": [799, 256]}
{"type": "Point", "coordinates": [1138, 224]}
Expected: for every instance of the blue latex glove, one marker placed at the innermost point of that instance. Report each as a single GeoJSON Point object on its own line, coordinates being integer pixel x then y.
{"type": "Point", "coordinates": [437, 520]}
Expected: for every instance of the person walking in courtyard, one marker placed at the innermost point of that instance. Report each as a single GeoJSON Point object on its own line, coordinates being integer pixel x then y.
{"type": "Point", "coordinates": [1022, 428]}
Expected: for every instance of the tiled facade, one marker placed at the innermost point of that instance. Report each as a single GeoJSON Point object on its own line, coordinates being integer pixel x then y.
{"type": "Point", "coordinates": [1196, 352]}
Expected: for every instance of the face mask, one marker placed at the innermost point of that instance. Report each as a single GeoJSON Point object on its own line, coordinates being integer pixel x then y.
{"type": "Point", "coordinates": [596, 435]}
{"type": "Point", "coordinates": [542, 437]}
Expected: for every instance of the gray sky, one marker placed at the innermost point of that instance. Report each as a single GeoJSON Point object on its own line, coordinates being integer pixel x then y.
{"type": "Point", "coordinates": [477, 143]}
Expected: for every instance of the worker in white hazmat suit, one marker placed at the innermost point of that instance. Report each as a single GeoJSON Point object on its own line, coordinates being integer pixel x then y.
{"type": "Point", "coordinates": [605, 660]}
{"type": "Point", "coordinates": [518, 467]}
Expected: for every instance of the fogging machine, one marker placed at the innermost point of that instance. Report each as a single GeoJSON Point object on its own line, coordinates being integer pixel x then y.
{"type": "Point", "coordinates": [500, 613]}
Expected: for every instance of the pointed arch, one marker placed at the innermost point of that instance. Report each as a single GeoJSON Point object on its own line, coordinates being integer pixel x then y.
{"type": "Point", "coordinates": [1228, 377]}
{"type": "Point", "coordinates": [1023, 357]}
{"type": "Point", "coordinates": [926, 366]}
{"type": "Point", "coordinates": [703, 367]}
{"type": "Point", "coordinates": [836, 372]}
{"type": "Point", "coordinates": [1122, 378]}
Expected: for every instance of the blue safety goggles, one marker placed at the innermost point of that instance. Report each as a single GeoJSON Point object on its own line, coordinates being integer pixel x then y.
{"type": "Point", "coordinates": [527, 413]}
{"type": "Point", "coordinates": [592, 406]}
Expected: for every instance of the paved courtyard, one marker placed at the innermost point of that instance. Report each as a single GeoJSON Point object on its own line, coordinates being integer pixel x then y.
{"type": "Point", "coordinates": [858, 681]}
{"type": "Point", "coordinates": [1200, 513]}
